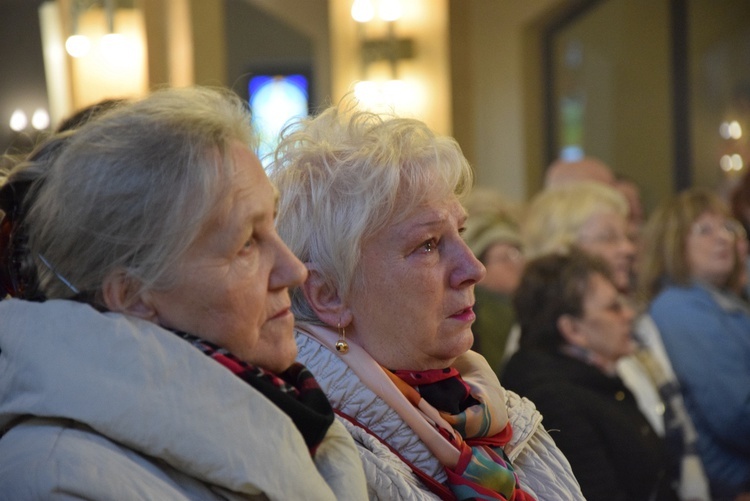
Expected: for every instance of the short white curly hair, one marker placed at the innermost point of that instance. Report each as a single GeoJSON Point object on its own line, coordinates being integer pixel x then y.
{"type": "Point", "coordinates": [341, 175]}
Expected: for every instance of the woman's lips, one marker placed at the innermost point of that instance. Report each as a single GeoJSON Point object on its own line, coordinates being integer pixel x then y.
{"type": "Point", "coordinates": [281, 314]}
{"type": "Point", "coordinates": [465, 315]}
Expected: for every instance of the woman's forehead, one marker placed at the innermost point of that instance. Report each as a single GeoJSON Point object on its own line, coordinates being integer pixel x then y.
{"type": "Point", "coordinates": [428, 211]}
{"type": "Point", "coordinates": [600, 289]}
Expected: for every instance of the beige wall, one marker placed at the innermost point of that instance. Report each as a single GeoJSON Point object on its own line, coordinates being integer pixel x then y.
{"type": "Point", "coordinates": [625, 78]}
{"type": "Point", "coordinates": [491, 100]}
{"type": "Point", "coordinates": [186, 42]}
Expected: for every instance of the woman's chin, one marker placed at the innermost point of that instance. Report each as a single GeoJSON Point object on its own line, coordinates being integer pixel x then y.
{"type": "Point", "coordinates": [281, 358]}
{"type": "Point", "coordinates": [622, 281]}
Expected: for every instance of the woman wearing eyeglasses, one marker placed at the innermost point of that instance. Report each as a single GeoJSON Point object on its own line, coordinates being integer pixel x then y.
{"type": "Point", "coordinates": [689, 272]}
{"type": "Point", "coordinates": [588, 215]}
{"type": "Point", "coordinates": [575, 326]}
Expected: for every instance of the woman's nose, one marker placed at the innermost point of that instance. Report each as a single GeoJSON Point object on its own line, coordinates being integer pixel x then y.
{"type": "Point", "coordinates": [468, 269]}
{"type": "Point", "coordinates": [288, 270]}
{"type": "Point", "coordinates": [627, 246]}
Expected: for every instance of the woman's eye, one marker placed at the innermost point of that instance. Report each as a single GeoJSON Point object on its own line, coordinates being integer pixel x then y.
{"type": "Point", "coordinates": [429, 246]}
{"type": "Point", "coordinates": [249, 243]}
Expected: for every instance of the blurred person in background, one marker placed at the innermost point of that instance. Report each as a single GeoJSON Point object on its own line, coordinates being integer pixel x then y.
{"type": "Point", "coordinates": [740, 206]}
{"type": "Point", "coordinates": [575, 326]}
{"type": "Point", "coordinates": [588, 215]}
{"type": "Point", "coordinates": [565, 172]}
{"type": "Point", "coordinates": [689, 276]}
{"type": "Point", "coordinates": [593, 217]}
{"type": "Point", "coordinates": [493, 235]}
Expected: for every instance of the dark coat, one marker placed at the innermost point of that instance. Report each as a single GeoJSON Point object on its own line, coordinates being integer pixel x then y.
{"type": "Point", "coordinates": [596, 423]}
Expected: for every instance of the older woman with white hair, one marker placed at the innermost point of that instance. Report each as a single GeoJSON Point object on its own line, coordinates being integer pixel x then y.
{"type": "Point", "coordinates": [157, 358]}
{"type": "Point", "coordinates": [589, 215]}
{"type": "Point", "coordinates": [371, 204]}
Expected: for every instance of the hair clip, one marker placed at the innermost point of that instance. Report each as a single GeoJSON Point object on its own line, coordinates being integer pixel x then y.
{"type": "Point", "coordinates": [57, 274]}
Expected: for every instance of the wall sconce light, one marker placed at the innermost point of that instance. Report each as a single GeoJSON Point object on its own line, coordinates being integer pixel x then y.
{"type": "Point", "coordinates": [388, 48]}
{"type": "Point", "coordinates": [730, 130]}
{"type": "Point", "coordinates": [106, 40]}
{"type": "Point", "coordinates": [735, 147]}
{"type": "Point", "coordinates": [77, 44]}
{"type": "Point", "coordinates": [19, 121]}
{"type": "Point", "coordinates": [729, 163]}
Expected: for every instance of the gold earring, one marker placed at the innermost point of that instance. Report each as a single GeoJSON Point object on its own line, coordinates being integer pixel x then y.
{"type": "Point", "coordinates": [341, 345]}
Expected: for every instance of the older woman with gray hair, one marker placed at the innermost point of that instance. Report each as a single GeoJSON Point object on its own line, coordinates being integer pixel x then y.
{"type": "Point", "coordinates": [371, 204]}
{"type": "Point", "coordinates": [157, 358]}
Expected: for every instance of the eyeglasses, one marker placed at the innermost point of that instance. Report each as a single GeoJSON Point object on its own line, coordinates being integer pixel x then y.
{"type": "Point", "coordinates": [507, 254]}
{"type": "Point", "coordinates": [714, 228]}
{"type": "Point", "coordinates": [607, 237]}
{"type": "Point", "coordinates": [738, 229]}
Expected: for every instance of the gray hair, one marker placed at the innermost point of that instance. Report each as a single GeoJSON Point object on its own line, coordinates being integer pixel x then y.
{"type": "Point", "coordinates": [132, 189]}
{"type": "Point", "coordinates": [341, 175]}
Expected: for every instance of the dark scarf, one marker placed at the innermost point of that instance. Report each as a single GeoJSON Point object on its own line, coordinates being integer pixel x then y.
{"type": "Point", "coordinates": [442, 388]}
{"type": "Point", "coordinates": [295, 391]}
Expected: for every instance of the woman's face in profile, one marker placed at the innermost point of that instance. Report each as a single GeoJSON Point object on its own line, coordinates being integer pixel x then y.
{"type": "Point", "coordinates": [607, 321]}
{"type": "Point", "coordinates": [504, 262]}
{"type": "Point", "coordinates": [710, 249]}
{"type": "Point", "coordinates": [605, 235]}
{"type": "Point", "coordinates": [232, 287]}
{"type": "Point", "coordinates": [413, 295]}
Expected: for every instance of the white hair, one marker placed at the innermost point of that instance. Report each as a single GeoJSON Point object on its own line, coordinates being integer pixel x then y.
{"type": "Point", "coordinates": [341, 175]}
{"type": "Point", "coordinates": [555, 216]}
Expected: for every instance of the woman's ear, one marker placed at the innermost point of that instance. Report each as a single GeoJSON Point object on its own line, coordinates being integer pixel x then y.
{"type": "Point", "coordinates": [121, 293]}
{"type": "Point", "coordinates": [571, 331]}
{"type": "Point", "coordinates": [324, 299]}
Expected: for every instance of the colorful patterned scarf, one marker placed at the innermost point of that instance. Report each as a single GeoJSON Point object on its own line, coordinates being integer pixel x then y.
{"type": "Point", "coordinates": [484, 470]}
{"type": "Point", "coordinates": [295, 391]}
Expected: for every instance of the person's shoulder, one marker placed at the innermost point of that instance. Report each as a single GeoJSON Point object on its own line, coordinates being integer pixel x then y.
{"type": "Point", "coordinates": [39, 457]}
{"type": "Point", "coordinates": [25, 462]}
{"type": "Point", "coordinates": [58, 458]}
{"type": "Point", "coordinates": [530, 363]}
{"type": "Point", "coordinates": [536, 375]}
{"type": "Point", "coordinates": [680, 298]}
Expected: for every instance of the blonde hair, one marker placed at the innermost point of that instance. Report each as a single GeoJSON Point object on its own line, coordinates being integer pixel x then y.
{"type": "Point", "coordinates": [341, 175]}
{"type": "Point", "coordinates": [664, 257]}
{"type": "Point", "coordinates": [131, 190]}
{"type": "Point", "coordinates": [555, 217]}
{"type": "Point", "coordinates": [491, 219]}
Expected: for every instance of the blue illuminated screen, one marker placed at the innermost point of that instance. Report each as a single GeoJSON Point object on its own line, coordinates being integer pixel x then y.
{"type": "Point", "coordinates": [274, 101]}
